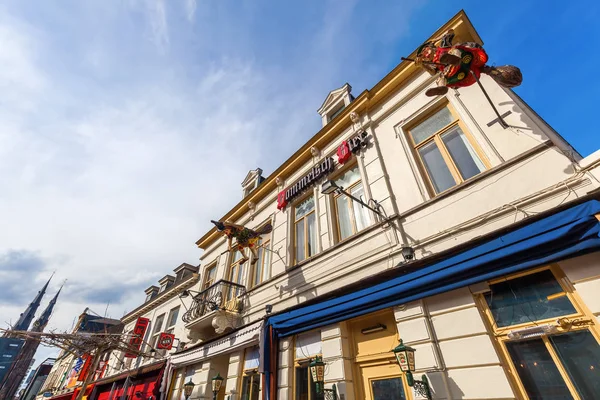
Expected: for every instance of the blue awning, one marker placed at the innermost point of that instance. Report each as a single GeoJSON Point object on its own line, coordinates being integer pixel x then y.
{"type": "Point", "coordinates": [566, 234]}
{"type": "Point", "coordinates": [569, 233]}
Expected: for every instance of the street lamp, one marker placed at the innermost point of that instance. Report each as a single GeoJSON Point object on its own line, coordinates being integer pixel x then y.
{"type": "Point", "coordinates": [217, 381]}
{"type": "Point", "coordinates": [317, 371]}
{"type": "Point", "coordinates": [406, 359]}
{"type": "Point", "coordinates": [188, 388]}
{"type": "Point", "coordinates": [329, 187]}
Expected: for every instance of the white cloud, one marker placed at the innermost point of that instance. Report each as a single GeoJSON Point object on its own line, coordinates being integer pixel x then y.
{"type": "Point", "coordinates": [116, 158]}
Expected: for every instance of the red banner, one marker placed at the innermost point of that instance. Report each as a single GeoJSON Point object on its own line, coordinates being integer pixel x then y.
{"type": "Point", "coordinates": [165, 341]}
{"type": "Point", "coordinates": [138, 335]}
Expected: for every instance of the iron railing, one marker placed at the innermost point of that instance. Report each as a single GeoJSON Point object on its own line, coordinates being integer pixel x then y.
{"type": "Point", "coordinates": [221, 295]}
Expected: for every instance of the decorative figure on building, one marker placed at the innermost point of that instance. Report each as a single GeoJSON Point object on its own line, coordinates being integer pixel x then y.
{"type": "Point", "coordinates": [461, 65]}
{"type": "Point", "coordinates": [244, 237]}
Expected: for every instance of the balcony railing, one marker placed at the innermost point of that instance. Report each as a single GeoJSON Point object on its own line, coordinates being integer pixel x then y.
{"type": "Point", "coordinates": [222, 295]}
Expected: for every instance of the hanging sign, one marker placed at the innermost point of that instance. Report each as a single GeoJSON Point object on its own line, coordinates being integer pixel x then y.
{"type": "Point", "coordinates": [138, 335]}
{"type": "Point", "coordinates": [322, 169]}
{"type": "Point", "coordinates": [165, 341]}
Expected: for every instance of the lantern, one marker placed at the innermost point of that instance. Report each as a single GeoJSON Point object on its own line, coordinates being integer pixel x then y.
{"type": "Point", "coordinates": [217, 381]}
{"type": "Point", "coordinates": [188, 388]}
{"type": "Point", "coordinates": [317, 370]}
{"type": "Point", "coordinates": [405, 356]}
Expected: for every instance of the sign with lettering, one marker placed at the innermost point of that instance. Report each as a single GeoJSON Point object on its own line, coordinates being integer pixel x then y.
{"type": "Point", "coordinates": [322, 169]}
{"type": "Point", "coordinates": [138, 335]}
{"type": "Point", "coordinates": [165, 341]}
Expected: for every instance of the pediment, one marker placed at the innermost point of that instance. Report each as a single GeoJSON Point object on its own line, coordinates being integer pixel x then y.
{"type": "Point", "coordinates": [251, 177]}
{"type": "Point", "coordinates": [333, 97]}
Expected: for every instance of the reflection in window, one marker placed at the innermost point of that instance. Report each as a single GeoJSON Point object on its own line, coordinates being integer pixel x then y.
{"type": "Point", "coordinates": [529, 298]}
{"type": "Point", "coordinates": [446, 153]}
{"type": "Point", "coordinates": [351, 216]}
{"type": "Point", "coordinates": [305, 229]}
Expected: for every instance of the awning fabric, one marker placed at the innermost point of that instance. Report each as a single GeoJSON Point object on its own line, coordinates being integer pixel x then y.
{"type": "Point", "coordinates": [569, 233]}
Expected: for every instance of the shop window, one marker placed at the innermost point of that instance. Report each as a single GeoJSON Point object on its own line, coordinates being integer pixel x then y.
{"type": "Point", "coordinates": [552, 360]}
{"type": "Point", "coordinates": [351, 217]}
{"type": "Point", "coordinates": [261, 269]}
{"type": "Point", "coordinates": [305, 229]}
{"type": "Point", "coordinates": [210, 276]}
{"type": "Point", "coordinates": [180, 377]}
{"type": "Point", "coordinates": [529, 298]}
{"type": "Point", "coordinates": [307, 346]}
{"type": "Point", "coordinates": [447, 153]}
{"type": "Point", "coordinates": [251, 377]}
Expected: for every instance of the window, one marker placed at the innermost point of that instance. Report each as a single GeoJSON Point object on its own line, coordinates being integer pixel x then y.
{"type": "Point", "coordinates": [251, 377]}
{"type": "Point", "coordinates": [351, 216]}
{"type": "Point", "coordinates": [180, 378]}
{"type": "Point", "coordinates": [560, 363]}
{"type": "Point", "coordinates": [307, 346]}
{"type": "Point", "coordinates": [447, 154]}
{"type": "Point", "coordinates": [210, 275]}
{"type": "Point", "coordinates": [172, 320]}
{"type": "Point", "coordinates": [261, 270]}
{"type": "Point", "coordinates": [305, 232]}
{"type": "Point", "coordinates": [156, 331]}
{"type": "Point", "coordinates": [237, 272]}
{"type": "Point", "coordinates": [337, 111]}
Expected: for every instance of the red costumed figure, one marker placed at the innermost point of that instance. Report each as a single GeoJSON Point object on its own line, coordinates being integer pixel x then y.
{"type": "Point", "coordinates": [461, 65]}
{"type": "Point", "coordinates": [244, 237]}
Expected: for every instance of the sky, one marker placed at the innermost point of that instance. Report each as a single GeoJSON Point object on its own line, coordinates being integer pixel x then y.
{"type": "Point", "coordinates": [125, 126]}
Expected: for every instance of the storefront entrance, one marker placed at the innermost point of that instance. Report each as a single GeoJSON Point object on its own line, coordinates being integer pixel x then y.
{"type": "Point", "coordinates": [376, 372]}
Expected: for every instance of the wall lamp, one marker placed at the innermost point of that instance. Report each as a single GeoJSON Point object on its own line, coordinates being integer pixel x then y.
{"type": "Point", "coordinates": [329, 187]}
{"type": "Point", "coordinates": [406, 359]}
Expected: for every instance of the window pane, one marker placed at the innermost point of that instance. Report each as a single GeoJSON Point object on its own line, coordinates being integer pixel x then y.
{"type": "Point", "coordinates": [312, 234]}
{"type": "Point", "coordinates": [174, 313]}
{"type": "Point", "coordinates": [237, 255]}
{"type": "Point", "coordinates": [158, 323]}
{"type": "Point", "coordinates": [537, 371]}
{"type": "Point", "coordinates": [462, 153]}
{"type": "Point", "coordinates": [388, 389]}
{"type": "Point", "coordinates": [305, 207]}
{"type": "Point", "coordinates": [300, 241]}
{"type": "Point", "coordinates": [526, 299]}
{"type": "Point", "coordinates": [343, 214]}
{"type": "Point", "coordinates": [436, 167]}
{"type": "Point", "coordinates": [266, 268]}
{"type": "Point", "coordinates": [361, 214]}
{"type": "Point", "coordinates": [580, 354]}
{"type": "Point", "coordinates": [256, 279]}
{"type": "Point", "coordinates": [348, 178]}
{"type": "Point", "coordinates": [250, 387]}
{"type": "Point", "coordinates": [431, 125]}
{"type": "Point", "coordinates": [301, 383]}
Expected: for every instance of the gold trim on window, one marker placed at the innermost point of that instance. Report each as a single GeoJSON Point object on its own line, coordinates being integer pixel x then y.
{"type": "Point", "coordinates": [436, 138]}
{"type": "Point", "coordinates": [500, 334]}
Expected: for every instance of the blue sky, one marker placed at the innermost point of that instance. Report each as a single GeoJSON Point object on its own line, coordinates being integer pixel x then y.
{"type": "Point", "coordinates": [125, 126]}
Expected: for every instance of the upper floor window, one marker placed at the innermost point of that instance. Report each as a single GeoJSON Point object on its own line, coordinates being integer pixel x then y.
{"type": "Point", "coordinates": [210, 276]}
{"type": "Point", "coordinates": [305, 229]}
{"type": "Point", "coordinates": [261, 270]}
{"type": "Point", "coordinates": [336, 111]}
{"type": "Point", "coordinates": [156, 331]}
{"type": "Point", "coordinates": [172, 320]}
{"type": "Point", "coordinates": [446, 152]}
{"type": "Point", "coordinates": [351, 216]}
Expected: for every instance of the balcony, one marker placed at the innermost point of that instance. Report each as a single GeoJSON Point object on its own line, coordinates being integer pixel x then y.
{"type": "Point", "coordinates": [217, 307]}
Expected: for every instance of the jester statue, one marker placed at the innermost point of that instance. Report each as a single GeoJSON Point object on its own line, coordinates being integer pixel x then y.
{"type": "Point", "coordinates": [460, 65]}
{"type": "Point", "coordinates": [244, 238]}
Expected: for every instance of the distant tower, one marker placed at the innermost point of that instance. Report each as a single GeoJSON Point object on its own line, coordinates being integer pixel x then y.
{"type": "Point", "coordinates": [26, 318]}
{"type": "Point", "coordinates": [23, 360]}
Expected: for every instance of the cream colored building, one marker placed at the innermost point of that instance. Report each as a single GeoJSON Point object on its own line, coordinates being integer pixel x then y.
{"type": "Point", "coordinates": [445, 179]}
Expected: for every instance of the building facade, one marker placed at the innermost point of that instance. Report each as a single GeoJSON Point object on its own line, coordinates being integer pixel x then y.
{"type": "Point", "coordinates": [473, 243]}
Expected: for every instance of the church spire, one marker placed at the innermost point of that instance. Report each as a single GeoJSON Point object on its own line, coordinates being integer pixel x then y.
{"type": "Point", "coordinates": [26, 318]}
{"type": "Point", "coordinates": [42, 321]}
